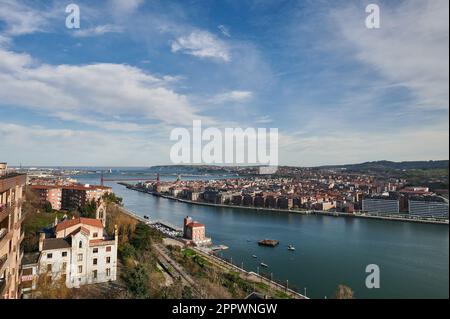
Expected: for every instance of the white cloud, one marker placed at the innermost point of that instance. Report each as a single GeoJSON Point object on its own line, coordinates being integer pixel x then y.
{"type": "Point", "coordinates": [37, 145]}
{"type": "Point", "coordinates": [409, 50]}
{"type": "Point", "coordinates": [20, 19]}
{"type": "Point", "coordinates": [346, 147]}
{"type": "Point", "coordinates": [264, 119]}
{"type": "Point", "coordinates": [202, 44]}
{"type": "Point", "coordinates": [98, 30]}
{"type": "Point", "coordinates": [232, 96]}
{"type": "Point", "coordinates": [100, 89]}
{"type": "Point", "coordinates": [125, 7]}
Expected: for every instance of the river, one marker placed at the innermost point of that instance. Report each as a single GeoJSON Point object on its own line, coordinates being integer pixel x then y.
{"type": "Point", "coordinates": [413, 258]}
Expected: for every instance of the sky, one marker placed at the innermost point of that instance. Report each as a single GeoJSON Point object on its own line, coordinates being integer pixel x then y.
{"type": "Point", "coordinates": [110, 92]}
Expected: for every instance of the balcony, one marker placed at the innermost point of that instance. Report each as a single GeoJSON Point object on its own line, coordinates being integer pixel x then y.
{"type": "Point", "coordinates": [5, 236]}
{"type": "Point", "coordinates": [2, 286]}
{"type": "Point", "coordinates": [3, 261]}
{"type": "Point", "coordinates": [3, 232]}
{"type": "Point", "coordinates": [4, 211]}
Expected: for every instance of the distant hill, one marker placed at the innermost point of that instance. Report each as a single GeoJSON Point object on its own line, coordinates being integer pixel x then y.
{"type": "Point", "coordinates": [388, 165]}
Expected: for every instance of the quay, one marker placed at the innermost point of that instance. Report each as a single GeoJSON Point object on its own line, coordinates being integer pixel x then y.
{"type": "Point", "coordinates": [401, 218]}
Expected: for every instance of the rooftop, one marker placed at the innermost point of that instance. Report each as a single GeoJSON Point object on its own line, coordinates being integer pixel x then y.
{"type": "Point", "coordinates": [56, 243]}
{"type": "Point", "coordinates": [80, 220]}
{"type": "Point", "coordinates": [10, 175]}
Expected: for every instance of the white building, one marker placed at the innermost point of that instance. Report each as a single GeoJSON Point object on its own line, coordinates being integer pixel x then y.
{"type": "Point", "coordinates": [79, 253]}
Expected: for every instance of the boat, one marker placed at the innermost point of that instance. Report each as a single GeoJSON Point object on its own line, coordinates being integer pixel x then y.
{"type": "Point", "coordinates": [254, 256]}
{"type": "Point", "coordinates": [290, 247]}
{"type": "Point", "coordinates": [264, 265]}
{"type": "Point", "coordinates": [268, 242]}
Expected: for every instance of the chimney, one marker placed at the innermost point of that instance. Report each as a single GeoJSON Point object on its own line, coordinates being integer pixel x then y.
{"type": "Point", "coordinates": [3, 169]}
{"type": "Point", "coordinates": [41, 241]}
{"type": "Point", "coordinates": [187, 220]}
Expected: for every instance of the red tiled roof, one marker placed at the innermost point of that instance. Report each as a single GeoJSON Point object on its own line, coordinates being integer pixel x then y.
{"type": "Point", "coordinates": [45, 186]}
{"type": "Point", "coordinates": [81, 220]}
{"type": "Point", "coordinates": [73, 187]}
{"type": "Point", "coordinates": [81, 229]}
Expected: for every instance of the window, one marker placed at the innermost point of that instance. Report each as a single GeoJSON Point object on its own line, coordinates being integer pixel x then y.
{"type": "Point", "coordinates": [49, 256]}
{"type": "Point", "coordinates": [64, 254]}
{"type": "Point", "coordinates": [80, 257]}
{"type": "Point", "coordinates": [80, 244]}
{"type": "Point", "coordinates": [94, 261]}
{"type": "Point", "coordinates": [63, 266]}
{"type": "Point", "coordinates": [108, 260]}
{"type": "Point", "coordinates": [80, 269]}
{"type": "Point", "coordinates": [49, 267]}
{"type": "Point", "coordinates": [95, 250]}
{"type": "Point", "coordinates": [95, 235]}
{"type": "Point", "coordinates": [108, 248]}
{"type": "Point", "coordinates": [108, 272]}
{"type": "Point", "coordinates": [94, 274]}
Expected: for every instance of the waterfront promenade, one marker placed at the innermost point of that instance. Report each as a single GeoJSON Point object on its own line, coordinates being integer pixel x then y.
{"type": "Point", "coordinates": [401, 218]}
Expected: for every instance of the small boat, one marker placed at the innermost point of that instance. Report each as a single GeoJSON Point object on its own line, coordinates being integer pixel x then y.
{"type": "Point", "coordinates": [268, 242]}
{"type": "Point", "coordinates": [264, 265]}
{"type": "Point", "coordinates": [290, 247]}
{"type": "Point", "coordinates": [254, 256]}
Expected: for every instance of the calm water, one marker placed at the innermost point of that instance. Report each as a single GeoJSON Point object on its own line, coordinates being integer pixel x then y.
{"type": "Point", "coordinates": [413, 258]}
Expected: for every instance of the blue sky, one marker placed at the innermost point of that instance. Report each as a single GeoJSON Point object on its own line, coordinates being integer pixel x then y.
{"type": "Point", "coordinates": [110, 92]}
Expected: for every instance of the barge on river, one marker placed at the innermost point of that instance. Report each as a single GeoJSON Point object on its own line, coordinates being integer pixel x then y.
{"type": "Point", "coordinates": [268, 242]}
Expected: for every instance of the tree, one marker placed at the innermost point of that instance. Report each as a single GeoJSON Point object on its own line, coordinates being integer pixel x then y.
{"type": "Point", "coordinates": [48, 207]}
{"type": "Point", "coordinates": [112, 198]}
{"type": "Point", "coordinates": [141, 238]}
{"type": "Point", "coordinates": [89, 209]}
{"type": "Point", "coordinates": [344, 292]}
{"type": "Point", "coordinates": [48, 289]}
{"type": "Point", "coordinates": [126, 251]}
{"type": "Point", "coordinates": [136, 280]}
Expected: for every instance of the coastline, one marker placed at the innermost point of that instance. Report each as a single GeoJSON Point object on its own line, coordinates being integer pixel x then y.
{"type": "Point", "coordinates": [215, 260]}
{"type": "Point", "coordinates": [301, 212]}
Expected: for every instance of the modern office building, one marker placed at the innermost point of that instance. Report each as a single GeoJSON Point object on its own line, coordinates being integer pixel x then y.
{"type": "Point", "coordinates": [381, 205]}
{"type": "Point", "coordinates": [428, 207]}
{"type": "Point", "coordinates": [11, 196]}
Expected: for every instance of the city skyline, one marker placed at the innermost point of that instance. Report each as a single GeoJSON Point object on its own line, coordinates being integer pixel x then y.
{"type": "Point", "coordinates": [109, 93]}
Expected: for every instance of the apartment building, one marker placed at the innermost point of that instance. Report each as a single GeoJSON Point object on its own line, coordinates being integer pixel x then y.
{"type": "Point", "coordinates": [11, 196]}
{"type": "Point", "coordinates": [70, 196]}
{"type": "Point", "coordinates": [78, 252]}
{"type": "Point", "coordinates": [49, 193]}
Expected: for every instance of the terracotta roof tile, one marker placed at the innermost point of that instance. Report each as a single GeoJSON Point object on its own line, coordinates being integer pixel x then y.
{"type": "Point", "coordinates": [81, 220]}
